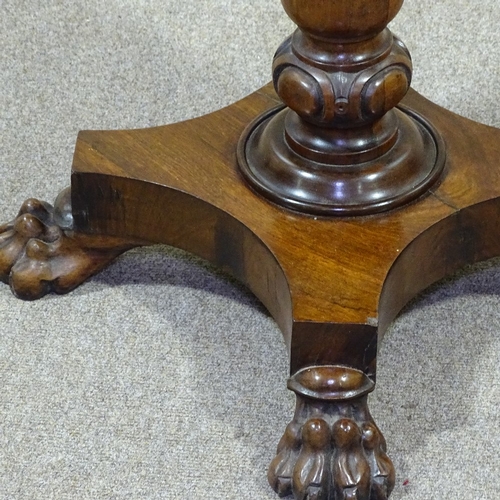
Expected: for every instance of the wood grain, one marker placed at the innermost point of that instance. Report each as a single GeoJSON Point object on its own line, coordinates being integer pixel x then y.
{"type": "Point", "coordinates": [342, 278]}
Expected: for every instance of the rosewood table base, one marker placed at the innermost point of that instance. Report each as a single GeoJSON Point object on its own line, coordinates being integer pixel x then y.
{"type": "Point", "coordinates": [333, 284]}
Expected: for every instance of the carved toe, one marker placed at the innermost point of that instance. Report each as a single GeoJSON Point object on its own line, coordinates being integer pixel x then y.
{"type": "Point", "coordinates": [28, 280]}
{"type": "Point", "coordinates": [28, 226]}
{"type": "Point", "coordinates": [281, 468]}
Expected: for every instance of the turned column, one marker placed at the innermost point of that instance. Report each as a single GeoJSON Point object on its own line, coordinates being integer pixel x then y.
{"type": "Point", "coordinates": [341, 146]}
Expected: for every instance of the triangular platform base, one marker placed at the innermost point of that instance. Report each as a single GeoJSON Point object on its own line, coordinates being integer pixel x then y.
{"type": "Point", "coordinates": [333, 284]}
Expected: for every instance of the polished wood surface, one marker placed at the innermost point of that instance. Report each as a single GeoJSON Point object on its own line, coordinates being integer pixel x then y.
{"type": "Point", "coordinates": [288, 200]}
{"type": "Point", "coordinates": [149, 185]}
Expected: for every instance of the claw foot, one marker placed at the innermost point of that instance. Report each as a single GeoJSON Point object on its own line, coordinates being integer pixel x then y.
{"type": "Point", "coordinates": [332, 449]}
{"type": "Point", "coordinates": [40, 252]}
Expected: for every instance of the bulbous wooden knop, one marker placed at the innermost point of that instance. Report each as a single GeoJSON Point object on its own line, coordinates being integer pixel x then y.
{"type": "Point", "coordinates": [341, 146]}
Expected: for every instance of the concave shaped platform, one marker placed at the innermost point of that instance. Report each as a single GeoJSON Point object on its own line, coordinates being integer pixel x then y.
{"type": "Point", "coordinates": [332, 284]}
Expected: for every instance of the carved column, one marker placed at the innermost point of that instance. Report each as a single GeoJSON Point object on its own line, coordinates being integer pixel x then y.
{"type": "Point", "coordinates": [341, 146]}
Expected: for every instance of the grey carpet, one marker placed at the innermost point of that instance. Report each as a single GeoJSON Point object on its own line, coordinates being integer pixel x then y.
{"type": "Point", "coordinates": [161, 378]}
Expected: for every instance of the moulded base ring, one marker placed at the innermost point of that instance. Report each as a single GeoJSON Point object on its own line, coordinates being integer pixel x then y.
{"type": "Point", "coordinates": [400, 175]}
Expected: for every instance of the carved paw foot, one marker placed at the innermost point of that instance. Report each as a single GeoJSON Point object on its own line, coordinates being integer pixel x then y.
{"type": "Point", "coordinates": [332, 449]}
{"type": "Point", "coordinates": [40, 252]}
